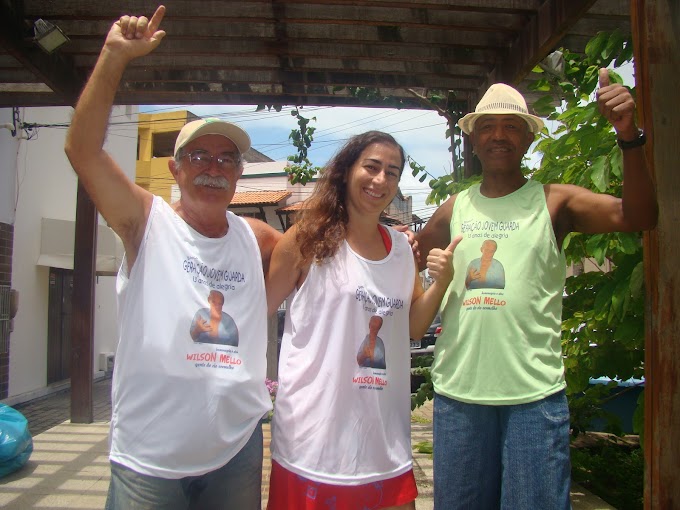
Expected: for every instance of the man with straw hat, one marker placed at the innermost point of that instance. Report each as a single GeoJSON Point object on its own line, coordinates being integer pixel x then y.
{"type": "Point", "coordinates": [187, 404]}
{"type": "Point", "coordinates": [501, 421]}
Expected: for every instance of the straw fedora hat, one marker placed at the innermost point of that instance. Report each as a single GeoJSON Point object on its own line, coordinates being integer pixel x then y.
{"type": "Point", "coordinates": [501, 99]}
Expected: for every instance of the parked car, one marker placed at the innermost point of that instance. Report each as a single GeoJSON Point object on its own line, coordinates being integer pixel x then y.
{"type": "Point", "coordinates": [280, 322]}
{"type": "Point", "coordinates": [426, 344]}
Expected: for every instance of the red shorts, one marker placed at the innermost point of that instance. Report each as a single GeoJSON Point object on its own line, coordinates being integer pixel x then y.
{"type": "Point", "coordinates": [288, 491]}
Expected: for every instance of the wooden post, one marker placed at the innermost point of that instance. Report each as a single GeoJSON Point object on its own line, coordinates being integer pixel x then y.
{"type": "Point", "coordinates": [655, 27]}
{"type": "Point", "coordinates": [472, 165]}
{"type": "Point", "coordinates": [82, 330]}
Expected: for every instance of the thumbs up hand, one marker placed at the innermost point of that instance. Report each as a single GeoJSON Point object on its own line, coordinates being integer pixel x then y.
{"type": "Point", "coordinates": [616, 104]}
{"type": "Point", "coordinates": [440, 262]}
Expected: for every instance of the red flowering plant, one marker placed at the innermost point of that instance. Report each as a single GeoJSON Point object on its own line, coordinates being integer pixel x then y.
{"type": "Point", "coordinates": [272, 387]}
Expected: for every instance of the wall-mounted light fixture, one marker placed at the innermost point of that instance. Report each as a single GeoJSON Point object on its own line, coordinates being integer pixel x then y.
{"type": "Point", "coordinates": [48, 36]}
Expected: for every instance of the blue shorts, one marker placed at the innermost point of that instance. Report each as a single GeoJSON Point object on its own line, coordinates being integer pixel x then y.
{"type": "Point", "coordinates": [509, 457]}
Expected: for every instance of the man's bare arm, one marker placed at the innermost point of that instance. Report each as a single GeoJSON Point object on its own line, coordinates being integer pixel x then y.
{"type": "Point", "coordinates": [284, 272]}
{"type": "Point", "coordinates": [437, 231]}
{"type": "Point", "coordinates": [424, 304]}
{"type": "Point", "coordinates": [124, 205]}
{"type": "Point", "coordinates": [267, 238]}
{"type": "Point", "coordinates": [578, 209]}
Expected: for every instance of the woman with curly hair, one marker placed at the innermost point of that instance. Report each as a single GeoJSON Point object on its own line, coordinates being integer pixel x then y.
{"type": "Point", "coordinates": [341, 429]}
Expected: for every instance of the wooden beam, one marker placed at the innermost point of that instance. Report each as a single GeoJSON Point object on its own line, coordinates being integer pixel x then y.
{"type": "Point", "coordinates": [291, 82]}
{"type": "Point", "coordinates": [29, 98]}
{"type": "Point", "coordinates": [183, 98]}
{"type": "Point", "coordinates": [539, 37]}
{"type": "Point", "coordinates": [82, 336]}
{"type": "Point", "coordinates": [458, 48]}
{"type": "Point", "coordinates": [655, 27]}
{"type": "Point", "coordinates": [262, 9]}
{"type": "Point", "coordinates": [211, 8]}
{"type": "Point", "coordinates": [239, 65]}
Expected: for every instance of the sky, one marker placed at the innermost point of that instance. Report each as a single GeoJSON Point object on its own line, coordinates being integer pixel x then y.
{"type": "Point", "coordinates": [422, 134]}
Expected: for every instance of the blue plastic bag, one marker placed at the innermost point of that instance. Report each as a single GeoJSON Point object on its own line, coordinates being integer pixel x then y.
{"type": "Point", "coordinates": [16, 443]}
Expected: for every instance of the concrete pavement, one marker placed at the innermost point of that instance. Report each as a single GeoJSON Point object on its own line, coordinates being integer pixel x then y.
{"type": "Point", "coordinates": [69, 467]}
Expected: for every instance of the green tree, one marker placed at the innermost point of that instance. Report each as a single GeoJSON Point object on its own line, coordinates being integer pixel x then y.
{"type": "Point", "coordinates": [301, 169]}
{"type": "Point", "coordinates": [603, 317]}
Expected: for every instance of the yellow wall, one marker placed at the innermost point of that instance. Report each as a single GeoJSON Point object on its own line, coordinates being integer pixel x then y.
{"type": "Point", "coordinates": [152, 173]}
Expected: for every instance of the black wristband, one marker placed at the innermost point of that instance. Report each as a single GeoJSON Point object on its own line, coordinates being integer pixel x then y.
{"type": "Point", "coordinates": [635, 142]}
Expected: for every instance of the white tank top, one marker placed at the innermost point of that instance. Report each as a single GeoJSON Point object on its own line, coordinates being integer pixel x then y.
{"type": "Point", "coordinates": [342, 413]}
{"type": "Point", "coordinates": [184, 404]}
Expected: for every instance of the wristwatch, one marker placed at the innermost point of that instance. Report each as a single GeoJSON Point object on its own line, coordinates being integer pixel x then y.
{"type": "Point", "coordinates": [635, 142]}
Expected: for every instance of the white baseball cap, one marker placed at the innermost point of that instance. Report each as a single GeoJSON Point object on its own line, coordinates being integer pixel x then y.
{"type": "Point", "coordinates": [212, 126]}
{"type": "Point", "coordinates": [501, 99]}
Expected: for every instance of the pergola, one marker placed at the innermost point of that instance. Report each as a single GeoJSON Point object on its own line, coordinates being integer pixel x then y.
{"type": "Point", "coordinates": [299, 52]}
{"type": "Point", "coordinates": [316, 52]}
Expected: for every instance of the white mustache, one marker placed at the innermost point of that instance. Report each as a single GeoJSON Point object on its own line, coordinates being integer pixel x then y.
{"type": "Point", "coordinates": [217, 181]}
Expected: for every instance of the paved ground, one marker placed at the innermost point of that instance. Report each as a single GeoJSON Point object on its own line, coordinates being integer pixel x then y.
{"type": "Point", "coordinates": [69, 468]}
{"type": "Point", "coordinates": [47, 412]}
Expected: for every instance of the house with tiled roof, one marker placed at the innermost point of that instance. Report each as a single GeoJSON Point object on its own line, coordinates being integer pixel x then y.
{"type": "Point", "coordinates": [264, 191]}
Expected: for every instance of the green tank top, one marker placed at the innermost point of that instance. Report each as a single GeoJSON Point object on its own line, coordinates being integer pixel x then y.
{"type": "Point", "coordinates": [501, 316]}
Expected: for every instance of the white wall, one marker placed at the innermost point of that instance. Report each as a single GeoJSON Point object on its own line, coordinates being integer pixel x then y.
{"type": "Point", "coordinates": [271, 176]}
{"type": "Point", "coordinates": [47, 188]}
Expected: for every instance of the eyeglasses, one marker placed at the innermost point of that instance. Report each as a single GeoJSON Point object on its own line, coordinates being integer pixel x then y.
{"type": "Point", "coordinates": [202, 159]}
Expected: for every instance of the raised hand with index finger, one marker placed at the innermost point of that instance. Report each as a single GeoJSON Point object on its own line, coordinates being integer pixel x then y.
{"type": "Point", "coordinates": [133, 36]}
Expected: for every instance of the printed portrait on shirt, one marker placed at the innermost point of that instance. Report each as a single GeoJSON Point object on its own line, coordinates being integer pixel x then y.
{"type": "Point", "coordinates": [211, 325]}
{"type": "Point", "coordinates": [485, 272]}
{"type": "Point", "coordinates": [372, 350]}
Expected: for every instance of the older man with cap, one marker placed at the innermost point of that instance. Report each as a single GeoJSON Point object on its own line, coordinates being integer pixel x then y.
{"type": "Point", "coordinates": [185, 427]}
{"type": "Point", "coordinates": [501, 421]}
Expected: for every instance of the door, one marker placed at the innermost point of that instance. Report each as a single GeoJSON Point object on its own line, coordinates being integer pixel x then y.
{"type": "Point", "coordinates": [59, 325]}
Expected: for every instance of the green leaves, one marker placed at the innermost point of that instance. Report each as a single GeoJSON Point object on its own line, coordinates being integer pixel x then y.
{"type": "Point", "coordinates": [596, 46]}
{"type": "Point", "coordinates": [424, 447]}
{"type": "Point", "coordinates": [606, 47]}
{"type": "Point", "coordinates": [639, 417]}
{"type": "Point", "coordinates": [301, 170]}
{"type": "Point", "coordinates": [589, 80]}
{"type": "Point", "coordinates": [596, 247]}
{"type": "Point", "coordinates": [603, 316]}
{"type": "Point", "coordinates": [637, 278]}
{"type": "Point", "coordinates": [544, 106]}
{"type": "Point", "coordinates": [599, 173]}
{"type": "Point", "coordinates": [426, 390]}
{"type": "Point", "coordinates": [416, 168]}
